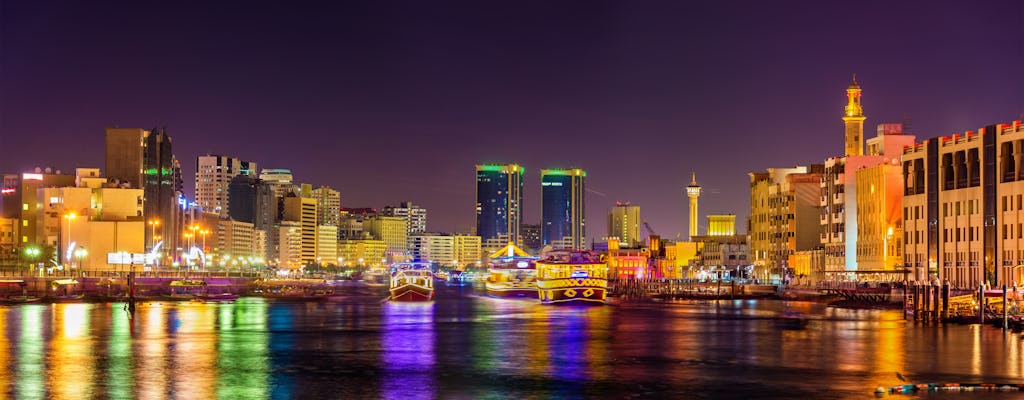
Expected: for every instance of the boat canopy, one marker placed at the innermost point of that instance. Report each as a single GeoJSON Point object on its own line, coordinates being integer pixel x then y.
{"type": "Point", "coordinates": [509, 251]}
{"type": "Point", "coordinates": [60, 282]}
{"type": "Point", "coordinates": [12, 282]}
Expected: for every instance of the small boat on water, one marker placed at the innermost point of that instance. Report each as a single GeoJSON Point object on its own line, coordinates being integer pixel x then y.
{"type": "Point", "coordinates": [412, 281]}
{"type": "Point", "coordinates": [185, 289]}
{"type": "Point", "coordinates": [15, 300]}
{"type": "Point", "coordinates": [572, 276]}
{"type": "Point", "coordinates": [216, 297]}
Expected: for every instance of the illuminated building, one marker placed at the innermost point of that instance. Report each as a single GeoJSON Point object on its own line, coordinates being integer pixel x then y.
{"type": "Point", "coordinates": [213, 178]}
{"type": "Point", "coordinates": [721, 225]}
{"type": "Point", "coordinates": [693, 192]}
{"type": "Point", "coordinates": [839, 187]}
{"type": "Point", "coordinates": [468, 251]}
{"type": "Point", "coordinates": [392, 230]}
{"type": "Point", "coordinates": [563, 217]}
{"type": "Point", "coordinates": [301, 210]}
{"type": "Point", "coordinates": [722, 255]}
{"type": "Point", "coordinates": [327, 244]}
{"type": "Point", "coordinates": [365, 252]}
{"type": "Point", "coordinates": [328, 205]}
{"type": "Point", "coordinates": [280, 181]}
{"type": "Point", "coordinates": [624, 224]}
{"type": "Point", "coordinates": [97, 219]}
{"type": "Point", "coordinates": [415, 216]}
{"type": "Point", "coordinates": [532, 240]}
{"type": "Point", "coordinates": [784, 217]}
{"type": "Point", "coordinates": [144, 159]}
{"type": "Point", "coordinates": [292, 252]}
{"type": "Point", "coordinates": [628, 263]}
{"type": "Point", "coordinates": [854, 117]}
{"type": "Point", "coordinates": [8, 241]}
{"type": "Point", "coordinates": [237, 239]}
{"type": "Point", "coordinates": [499, 201]}
{"type": "Point", "coordinates": [962, 207]}
{"type": "Point", "coordinates": [880, 220]}
{"type": "Point", "coordinates": [25, 195]}
{"type": "Point", "coordinates": [437, 249]}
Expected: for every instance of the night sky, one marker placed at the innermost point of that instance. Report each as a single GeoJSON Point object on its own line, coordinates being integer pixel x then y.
{"type": "Point", "coordinates": [390, 101]}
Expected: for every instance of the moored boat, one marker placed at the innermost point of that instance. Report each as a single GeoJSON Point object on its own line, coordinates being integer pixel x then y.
{"type": "Point", "coordinates": [572, 276]}
{"type": "Point", "coordinates": [412, 281]}
{"type": "Point", "coordinates": [513, 273]}
{"type": "Point", "coordinates": [15, 300]}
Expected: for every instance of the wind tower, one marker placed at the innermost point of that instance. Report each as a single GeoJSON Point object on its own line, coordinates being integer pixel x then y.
{"type": "Point", "coordinates": [854, 119]}
{"type": "Point", "coordinates": [693, 191]}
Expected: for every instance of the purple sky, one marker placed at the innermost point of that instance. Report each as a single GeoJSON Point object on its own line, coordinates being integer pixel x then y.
{"type": "Point", "coordinates": [392, 101]}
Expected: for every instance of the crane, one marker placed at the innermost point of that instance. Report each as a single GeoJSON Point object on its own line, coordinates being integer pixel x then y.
{"type": "Point", "coordinates": [650, 231]}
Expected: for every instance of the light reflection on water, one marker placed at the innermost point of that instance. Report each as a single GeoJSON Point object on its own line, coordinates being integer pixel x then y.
{"type": "Point", "coordinates": [477, 347]}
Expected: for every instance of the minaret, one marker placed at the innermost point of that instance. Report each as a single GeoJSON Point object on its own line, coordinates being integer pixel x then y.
{"type": "Point", "coordinates": [854, 119]}
{"type": "Point", "coordinates": [693, 191]}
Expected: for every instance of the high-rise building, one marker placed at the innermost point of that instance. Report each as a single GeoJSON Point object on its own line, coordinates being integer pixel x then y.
{"type": "Point", "coordinates": [721, 225]}
{"type": "Point", "coordinates": [236, 240]}
{"type": "Point", "coordinates": [963, 207]}
{"type": "Point", "coordinates": [447, 250]}
{"type": "Point", "coordinates": [415, 216]}
{"type": "Point", "coordinates": [499, 201]}
{"type": "Point", "coordinates": [693, 192]}
{"type": "Point", "coordinates": [280, 181]}
{"type": "Point", "coordinates": [301, 210]}
{"type": "Point", "coordinates": [563, 218]}
{"type": "Point", "coordinates": [144, 159]}
{"type": "Point", "coordinates": [531, 237]}
{"type": "Point", "coordinates": [213, 179]}
{"type": "Point", "coordinates": [880, 219]}
{"type": "Point", "coordinates": [624, 224]}
{"type": "Point", "coordinates": [784, 217]}
{"type": "Point", "coordinates": [328, 205]}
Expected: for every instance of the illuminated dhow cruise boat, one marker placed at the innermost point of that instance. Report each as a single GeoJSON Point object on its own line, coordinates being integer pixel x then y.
{"type": "Point", "coordinates": [513, 273]}
{"type": "Point", "coordinates": [571, 276]}
{"type": "Point", "coordinates": [412, 281]}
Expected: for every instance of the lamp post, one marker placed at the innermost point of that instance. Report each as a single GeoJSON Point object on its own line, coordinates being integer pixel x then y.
{"type": "Point", "coordinates": [70, 216]}
{"type": "Point", "coordinates": [153, 223]}
{"type": "Point", "coordinates": [32, 253]}
{"type": "Point", "coordinates": [79, 254]}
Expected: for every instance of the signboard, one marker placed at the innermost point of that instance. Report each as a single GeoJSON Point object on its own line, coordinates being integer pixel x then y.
{"type": "Point", "coordinates": [124, 258]}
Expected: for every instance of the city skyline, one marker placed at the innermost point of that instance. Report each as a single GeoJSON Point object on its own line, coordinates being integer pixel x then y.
{"type": "Point", "coordinates": [639, 95]}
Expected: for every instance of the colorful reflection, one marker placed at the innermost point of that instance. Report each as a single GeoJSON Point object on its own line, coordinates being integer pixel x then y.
{"type": "Point", "coordinates": [242, 343]}
{"type": "Point", "coordinates": [70, 371]}
{"type": "Point", "coordinates": [151, 369]}
{"type": "Point", "coordinates": [31, 354]}
{"type": "Point", "coordinates": [193, 354]}
{"type": "Point", "coordinates": [119, 353]}
{"type": "Point", "coordinates": [7, 354]}
{"type": "Point", "coordinates": [408, 346]}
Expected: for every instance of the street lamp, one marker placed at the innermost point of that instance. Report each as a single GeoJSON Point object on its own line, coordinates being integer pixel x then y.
{"type": "Point", "coordinates": [79, 254]}
{"type": "Point", "coordinates": [70, 216]}
{"type": "Point", "coordinates": [32, 253]}
{"type": "Point", "coordinates": [153, 223]}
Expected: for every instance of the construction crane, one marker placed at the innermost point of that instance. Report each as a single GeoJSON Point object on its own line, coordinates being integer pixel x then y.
{"type": "Point", "coordinates": [650, 231]}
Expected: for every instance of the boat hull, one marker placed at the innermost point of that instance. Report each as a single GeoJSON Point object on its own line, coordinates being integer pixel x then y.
{"type": "Point", "coordinates": [411, 293]}
{"type": "Point", "coordinates": [12, 301]}
{"type": "Point", "coordinates": [510, 291]}
{"type": "Point", "coordinates": [217, 297]}
{"type": "Point", "coordinates": [572, 291]}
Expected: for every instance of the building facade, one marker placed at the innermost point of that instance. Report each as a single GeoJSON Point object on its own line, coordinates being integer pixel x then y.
{"type": "Point", "coordinates": [214, 174]}
{"type": "Point", "coordinates": [784, 217]}
{"type": "Point", "coordinates": [328, 205]}
{"type": "Point", "coordinates": [563, 211]}
{"type": "Point", "coordinates": [721, 225]}
{"type": "Point", "coordinates": [415, 216]}
{"type": "Point", "coordinates": [499, 201]}
{"type": "Point", "coordinates": [624, 224]}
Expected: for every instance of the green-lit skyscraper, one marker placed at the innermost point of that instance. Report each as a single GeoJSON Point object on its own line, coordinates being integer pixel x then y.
{"type": "Point", "coordinates": [499, 201]}
{"type": "Point", "coordinates": [563, 219]}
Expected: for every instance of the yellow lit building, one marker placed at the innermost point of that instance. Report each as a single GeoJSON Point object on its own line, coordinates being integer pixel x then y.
{"type": "Point", "coordinates": [628, 263]}
{"type": "Point", "coordinates": [392, 230]}
{"type": "Point", "coordinates": [784, 217]}
{"type": "Point", "coordinates": [362, 252]}
{"type": "Point", "coordinates": [880, 220]}
{"type": "Point", "coordinates": [327, 244]}
{"type": "Point", "coordinates": [301, 210]}
{"type": "Point", "coordinates": [624, 224]}
{"type": "Point", "coordinates": [290, 246]}
{"type": "Point", "coordinates": [973, 235]}
{"type": "Point", "coordinates": [721, 225]}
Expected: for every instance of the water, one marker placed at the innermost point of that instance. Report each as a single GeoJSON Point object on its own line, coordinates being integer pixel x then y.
{"type": "Point", "coordinates": [481, 348]}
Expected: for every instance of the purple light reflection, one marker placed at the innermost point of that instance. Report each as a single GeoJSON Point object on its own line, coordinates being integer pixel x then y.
{"type": "Point", "coordinates": [408, 351]}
